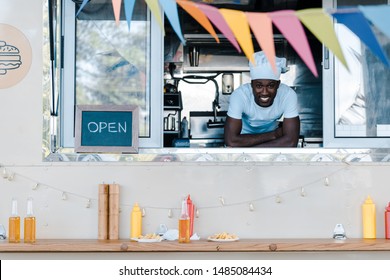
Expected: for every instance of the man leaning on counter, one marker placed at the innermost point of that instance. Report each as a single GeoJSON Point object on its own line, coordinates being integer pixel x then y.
{"type": "Point", "coordinates": [256, 109]}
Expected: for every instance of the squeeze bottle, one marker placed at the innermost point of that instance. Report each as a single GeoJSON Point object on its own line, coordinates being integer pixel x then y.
{"type": "Point", "coordinates": [29, 223]}
{"type": "Point", "coordinates": [136, 222]}
{"type": "Point", "coordinates": [184, 224]}
{"type": "Point", "coordinates": [191, 208]}
{"type": "Point", "coordinates": [387, 221]}
{"type": "Point", "coordinates": [369, 219]}
{"type": "Point", "coordinates": [184, 128]}
{"type": "Point", "coordinates": [14, 224]}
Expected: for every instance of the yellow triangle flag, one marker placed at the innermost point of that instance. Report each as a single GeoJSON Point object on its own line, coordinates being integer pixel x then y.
{"type": "Point", "coordinates": [238, 23]}
{"type": "Point", "coordinates": [156, 11]}
{"type": "Point", "coordinates": [261, 25]}
{"type": "Point", "coordinates": [320, 24]}
{"type": "Point", "coordinates": [199, 16]}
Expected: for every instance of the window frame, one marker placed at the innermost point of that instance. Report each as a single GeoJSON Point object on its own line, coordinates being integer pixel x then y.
{"type": "Point", "coordinates": [67, 88]}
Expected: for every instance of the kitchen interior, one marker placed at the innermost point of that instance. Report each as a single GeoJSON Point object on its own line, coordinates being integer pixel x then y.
{"type": "Point", "coordinates": [200, 76]}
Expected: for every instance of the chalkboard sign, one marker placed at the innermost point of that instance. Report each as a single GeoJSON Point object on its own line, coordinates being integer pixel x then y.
{"type": "Point", "coordinates": [106, 128]}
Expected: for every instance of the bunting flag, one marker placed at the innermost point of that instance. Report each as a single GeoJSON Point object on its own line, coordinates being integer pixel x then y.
{"type": "Point", "coordinates": [217, 19]}
{"type": "Point", "coordinates": [192, 9]}
{"type": "Point", "coordinates": [170, 9]}
{"type": "Point", "coordinates": [261, 26]}
{"type": "Point", "coordinates": [379, 16]}
{"type": "Point", "coordinates": [320, 24]}
{"type": "Point", "coordinates": [116, 5]}
{"type": "Point", "coordinates": [239, 25]}
{"type": "Point", "coordinates": [358, 24]}
{"type": "Point", "coordinates": [236, 26]}
{"type": "Point", "coordinates": [129, 8]}
{"type": "Point", "coordinates": [292, 29]}
{"type": "Point", "coordinates": [154, 8]}
{"type": "Point", "coordinates": [82, 7]}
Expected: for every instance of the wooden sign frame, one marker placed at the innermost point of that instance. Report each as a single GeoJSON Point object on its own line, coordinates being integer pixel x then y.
{"type": "Point", "coordinates": [81, 146]}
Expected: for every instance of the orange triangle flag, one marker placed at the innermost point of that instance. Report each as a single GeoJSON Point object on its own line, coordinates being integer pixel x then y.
{"type": "Point", "coordinates": [261, 25]}
{"type": "Point", "coordinates": [198, 15]}
{"type": "Point", "coordinates": [238, 23]}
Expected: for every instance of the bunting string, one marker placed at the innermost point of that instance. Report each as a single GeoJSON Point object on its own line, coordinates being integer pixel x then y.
{"type": "Point", "coordinates": [235, 25]}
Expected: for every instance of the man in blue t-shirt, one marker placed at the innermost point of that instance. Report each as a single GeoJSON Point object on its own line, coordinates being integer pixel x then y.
{"type": "Point", "coordinates": [263, 113]}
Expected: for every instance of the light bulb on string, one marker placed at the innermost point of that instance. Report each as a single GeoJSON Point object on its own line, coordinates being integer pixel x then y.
{"type": "Point", "coordinates": [5, 174]}
{"type": "Point", "coordinates": [326, 182]}
{"type": "Point", "coordinates": [303, 193]}
{"type": "Point", "coordinates": [251, 207]}
{"type": "Point", "coordinates": [35, 187]}
{"type": "Point", "coordinates": [11, 176]}
{"type": "Point", "coordinates": [197, 213]}
{"type": "Point", "coordinates": [222, 200]}
{"type": "Point", "coordinates": [143, 212]}
{"type": "Point", "coordinates": [64, 196]}
{"type": "Point", "coordinates": [170, 214]}
{"type": "Point", "coordinates": [278, 199]}
{"type": "Point", "coordinates": [88, 204]}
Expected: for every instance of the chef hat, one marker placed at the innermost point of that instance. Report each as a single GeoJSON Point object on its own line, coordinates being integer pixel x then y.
{"type": "Point", "coordinates": [262, 69]}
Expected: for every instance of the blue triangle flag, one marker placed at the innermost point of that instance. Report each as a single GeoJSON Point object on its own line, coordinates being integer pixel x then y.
{"type": "Point", "coordinates": [358, 24]}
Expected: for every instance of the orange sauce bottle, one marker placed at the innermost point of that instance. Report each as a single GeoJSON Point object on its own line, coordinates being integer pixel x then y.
{"type": "Point", "coordinates": [29, 224]}
{"type": "Point", "coordinates": [14, 224]}
{"type": "Point", "coordinates": [184, 224]}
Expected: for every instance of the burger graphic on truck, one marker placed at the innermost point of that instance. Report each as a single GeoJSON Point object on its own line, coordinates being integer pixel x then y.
{"type": "Point", "coordinates": [9, 58]}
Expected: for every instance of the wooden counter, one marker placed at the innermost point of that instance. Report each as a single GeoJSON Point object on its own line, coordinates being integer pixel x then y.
{"type": "Point", "coordinates": [243, 245]}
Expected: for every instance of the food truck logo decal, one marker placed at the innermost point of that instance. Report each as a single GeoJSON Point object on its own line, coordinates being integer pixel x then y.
{"type": "Point", "coordinates": [10, 58]}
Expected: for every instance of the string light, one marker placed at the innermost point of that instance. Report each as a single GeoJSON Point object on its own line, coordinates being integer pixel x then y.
{"type": "Point", "coordinates": [303, 193]}
{"type": "Point", "coordinates": [5, 174]}
{"type": "Point", "coordinates": [64, 196]}
{"type": "Point", "coordinates": [326, 183]}
{"type": "Point", "coordinates": [9, 175]}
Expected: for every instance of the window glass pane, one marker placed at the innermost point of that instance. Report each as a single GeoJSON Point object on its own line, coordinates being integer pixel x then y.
{"type": "Point", "coordinates": [112, 62]}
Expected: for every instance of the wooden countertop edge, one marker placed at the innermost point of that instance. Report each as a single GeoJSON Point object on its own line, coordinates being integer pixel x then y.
{"type": "Point", "coordinates": [243, 245]}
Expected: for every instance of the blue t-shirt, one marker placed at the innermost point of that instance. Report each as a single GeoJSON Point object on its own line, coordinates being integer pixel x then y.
{"type": "Point", "coordinates": [257, 119]}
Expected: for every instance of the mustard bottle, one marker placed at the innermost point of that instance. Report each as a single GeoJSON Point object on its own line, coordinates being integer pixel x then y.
{"type": "Point", "coordinates": [136, 222]}
{"type": "Point", "coordinates": [369, 219]}
{"type": "Point", "coordinates": [29, 223]}
{"type": "Point", "coordinates": [14, 224]}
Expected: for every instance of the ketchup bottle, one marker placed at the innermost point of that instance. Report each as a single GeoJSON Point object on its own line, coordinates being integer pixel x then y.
{"type": "Point", "coordinates": [387, 221]}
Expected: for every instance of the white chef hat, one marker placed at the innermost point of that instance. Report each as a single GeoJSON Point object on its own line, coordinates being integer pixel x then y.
{"type": "Point", "coordinates": [262, 69]}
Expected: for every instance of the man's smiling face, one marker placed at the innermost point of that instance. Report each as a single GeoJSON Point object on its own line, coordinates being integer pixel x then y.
{"type": "Point", "coordinates": [264, 91]}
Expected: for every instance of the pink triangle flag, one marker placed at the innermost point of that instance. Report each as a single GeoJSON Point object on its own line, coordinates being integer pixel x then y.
{"type": "Point", "coordinates": [261, 26]}
{"type": "Point", "coordinates": [116, 5]}
{"type": "Point", "coordinates": [290, 26]}
{"type": "Point", "coordinates": [217, 19]}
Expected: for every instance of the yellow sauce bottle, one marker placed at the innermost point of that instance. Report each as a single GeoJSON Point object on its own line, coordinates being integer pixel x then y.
{"type": "Point", "coordinates": [29, 223]}
{"type": "Point", "coordinates": [136, 222]}
{"type": "Point", "coordinates": [369, 219]}
{"type": "Point", "coordinates": [14, 224]}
